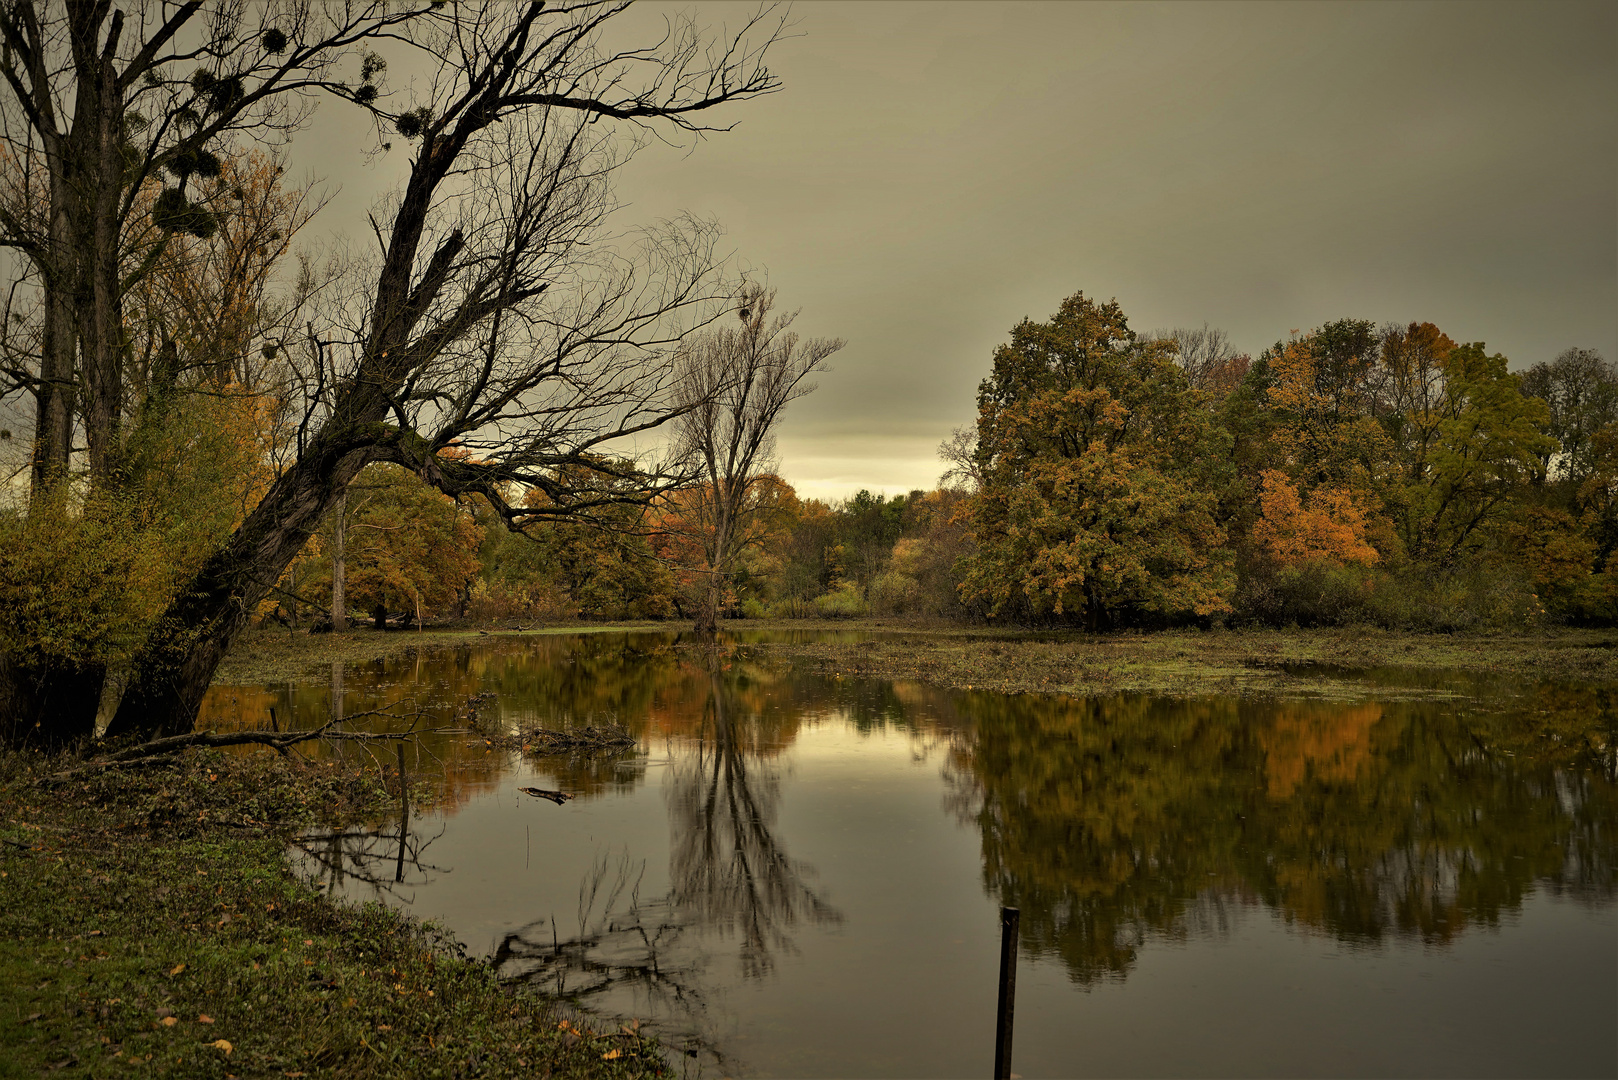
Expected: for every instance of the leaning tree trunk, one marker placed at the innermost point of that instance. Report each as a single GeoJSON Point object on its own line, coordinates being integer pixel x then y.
{"type": "Point", "coordinates": [174, 667]}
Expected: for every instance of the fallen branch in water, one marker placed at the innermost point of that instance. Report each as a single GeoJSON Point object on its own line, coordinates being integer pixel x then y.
{"type": "Point", "coordinates": [557, 797]}
{"type": "Point", "coordinates": [166, 750]}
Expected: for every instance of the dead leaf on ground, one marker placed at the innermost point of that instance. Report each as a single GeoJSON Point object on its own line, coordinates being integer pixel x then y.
{"type": "Point", "coordinates": [169, 1021]}
{"type": "Point", "coordinates": [222, 1044]}
{"type": "Point", "coordinates": [204, 1019]}
{"type": "Point", "coordinates": [175, 970]}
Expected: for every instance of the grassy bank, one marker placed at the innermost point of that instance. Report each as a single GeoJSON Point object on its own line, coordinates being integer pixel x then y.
{"type": "Point", "coordinates": [150, 926]}
{"type": "Point", "coordinates": [1013, 661]}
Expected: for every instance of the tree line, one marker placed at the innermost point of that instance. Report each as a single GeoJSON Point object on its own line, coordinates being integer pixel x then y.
{"type": "Point", "coordinates": [1353, 474]}
{"type": "Point", "coordinates": [1356, 474]}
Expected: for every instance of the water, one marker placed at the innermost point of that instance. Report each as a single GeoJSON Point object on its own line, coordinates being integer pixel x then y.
{"type": "Point", "coordinates": [801, 875]}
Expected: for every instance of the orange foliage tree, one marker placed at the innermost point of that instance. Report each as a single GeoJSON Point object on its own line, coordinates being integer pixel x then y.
{"type": "Point", "coordinates": [1330, 529]}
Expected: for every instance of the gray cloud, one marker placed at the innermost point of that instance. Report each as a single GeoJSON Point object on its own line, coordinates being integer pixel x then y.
{"type": "Point", "coordinates": [933, 173]}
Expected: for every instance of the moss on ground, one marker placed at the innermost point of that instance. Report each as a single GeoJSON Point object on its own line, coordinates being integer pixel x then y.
{"type": "Point", "coordinates": [150, 926]}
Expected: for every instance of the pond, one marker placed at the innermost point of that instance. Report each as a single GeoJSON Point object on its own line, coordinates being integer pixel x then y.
{"type": "Point", "coordinates": [799, 874]}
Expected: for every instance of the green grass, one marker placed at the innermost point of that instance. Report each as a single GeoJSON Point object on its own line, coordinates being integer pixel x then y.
{"type": "Point", "coordinates": [149, 919]}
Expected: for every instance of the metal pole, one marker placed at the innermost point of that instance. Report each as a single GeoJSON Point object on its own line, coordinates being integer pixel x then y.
{"type": "Point", "coordinates": [1009, 917]}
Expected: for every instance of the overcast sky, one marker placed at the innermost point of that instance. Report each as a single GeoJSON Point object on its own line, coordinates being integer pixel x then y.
{"type": "Point", "coordinates": [932, 173]}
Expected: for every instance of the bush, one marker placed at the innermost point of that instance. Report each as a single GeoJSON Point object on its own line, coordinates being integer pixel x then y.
{"type": "Point", "coordinates": [893, 593]}
{"type": "Point", "coordinates": [1482, 595]}
{"type": "Point", "coordinates": [843, 602]}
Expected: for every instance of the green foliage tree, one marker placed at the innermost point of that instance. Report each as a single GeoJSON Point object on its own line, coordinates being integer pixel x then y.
{"type": "Point", "coordinates": [1488, 445]}
{"type": "Point", "coordinates": [1096, 497]}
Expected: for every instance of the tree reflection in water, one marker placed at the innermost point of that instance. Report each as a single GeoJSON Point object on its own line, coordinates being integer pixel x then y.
{"type": "Point", "coordinates": [730, 877]}
{"type": "Point", "coordinates": [728, 868]}
{"type": "Point", "coordinates": [1109, 819]}
{"type": "Point", "coordinates": [384, 860]}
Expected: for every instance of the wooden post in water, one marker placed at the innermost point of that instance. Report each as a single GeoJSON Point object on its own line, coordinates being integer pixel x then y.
{"type": "Point", "coordinates": [404, 812]}
{"type": "Point", "coordinates": [1009, 917]}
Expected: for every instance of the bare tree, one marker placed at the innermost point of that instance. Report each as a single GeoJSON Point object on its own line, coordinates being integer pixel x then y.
{"type": "Point", "coordinates": [501, 314]}
{"type": "Point", "coordinates": [1203, 353]}
{"type": "Point", "coordinates": [112, 120]}
{"type": "Point", "coordinates": [960, 451]}
{"type": "Point", "coordinates": [1581, 388]}
{"type": "Point", "coordinates": [738, 380]}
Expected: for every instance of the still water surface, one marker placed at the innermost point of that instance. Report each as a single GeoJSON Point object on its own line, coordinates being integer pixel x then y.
{"type": "Point", "coordinates": [800, 875]}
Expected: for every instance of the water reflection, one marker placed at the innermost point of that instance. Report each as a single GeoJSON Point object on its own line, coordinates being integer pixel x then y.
{"type": "Point", "coordinates": [388, 861]}
{"type": "Point", "coordinates": [1105, 820]}
{"type": "Point", "coordinates": [621, 943]}
{"type": "Point", "coordinates": [731, 878]}
{"type": "Point", "coordinates": [1397, 824]}
{"type": "Point", "coordinates": [730, 871]}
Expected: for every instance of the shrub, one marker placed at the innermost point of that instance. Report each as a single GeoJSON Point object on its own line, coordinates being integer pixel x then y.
{"type": "Point", "coordinates": [894, 593]}
{"type": "Point", "coordinates": [843, 602]}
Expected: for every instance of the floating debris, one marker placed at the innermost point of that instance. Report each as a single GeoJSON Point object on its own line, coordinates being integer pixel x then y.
{"type": "Point", "coordinates": [545, 741]}
{"type": "Point", "coordinates": [557, 797]}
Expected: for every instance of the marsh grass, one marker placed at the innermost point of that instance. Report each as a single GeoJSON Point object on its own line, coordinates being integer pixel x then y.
{"type": "Point", "coordinates": [1325, 663]}
{"type": "Point", "coordinates": [1251, 661]}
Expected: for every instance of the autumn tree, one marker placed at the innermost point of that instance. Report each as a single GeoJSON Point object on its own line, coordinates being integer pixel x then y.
{"type": "Point", "coordinates": [108, 123]}
{"type": "Point", "coordinates": [1409, 392]}
{"type": "Point", "coordinates": [408, 547]}
{"type": "Point", "coordinates": [98, 106]}
{"type": "Point", "coordinates": [1320, 389]}
{"type": "Point", "coordinates": [607, 566]}
{"type": "Point", "coordinates": [1097, 493]}
{"type": "Point", "coordinates": [197, 443]}
{"type": "Point", "coordinates": [739, 379]}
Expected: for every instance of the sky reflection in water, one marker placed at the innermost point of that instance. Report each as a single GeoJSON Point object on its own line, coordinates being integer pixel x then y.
{"type": "Point", "coordinates": [798, 875]}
